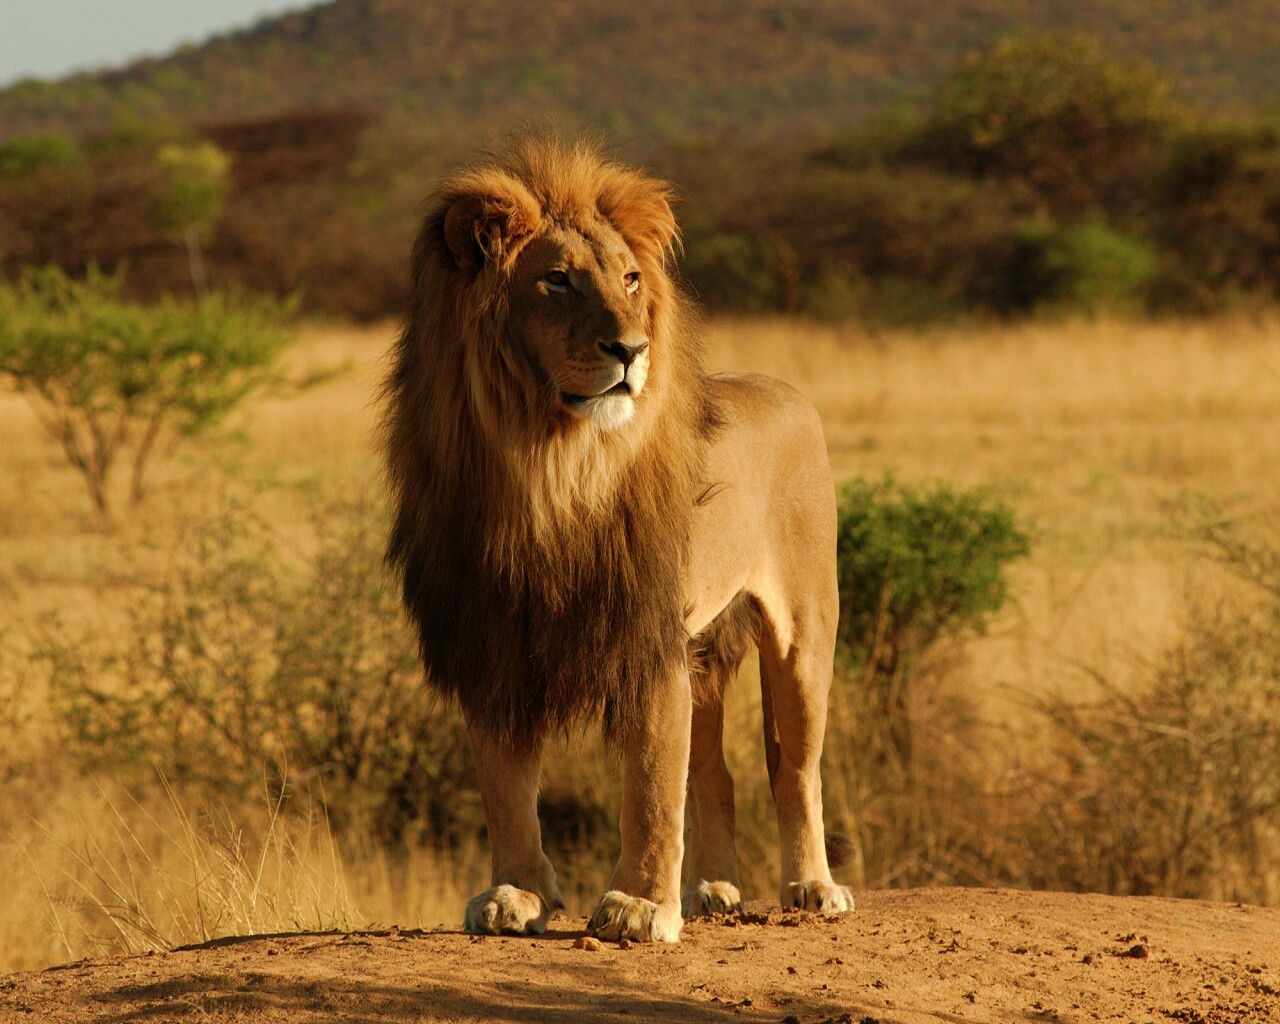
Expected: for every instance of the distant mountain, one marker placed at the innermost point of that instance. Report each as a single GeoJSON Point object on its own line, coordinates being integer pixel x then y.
{"type": "Point", "coordinates": [668, 70]}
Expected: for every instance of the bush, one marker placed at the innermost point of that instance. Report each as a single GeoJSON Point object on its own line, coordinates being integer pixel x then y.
{"type": "Point", "coordinates": [23, 154]}
{"type": "Point", "coordinates": [1169, 787]}
{"type": "Point", "coordinates": [1089, 268]}
{"type": "Point", "coordinates": [249, 665]}
{"type": "Point", "coordinates": [917, 568]}
{"type": "Point", "coordinates": [919, 563]}
{"type": "Point", "coordinates": [106, 376]}
{"type": "Point", "coordinates": [1173, 788]}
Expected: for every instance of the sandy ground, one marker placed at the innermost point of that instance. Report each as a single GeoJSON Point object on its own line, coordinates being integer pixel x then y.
{"type": "Point", "coordinates": [994, 956]}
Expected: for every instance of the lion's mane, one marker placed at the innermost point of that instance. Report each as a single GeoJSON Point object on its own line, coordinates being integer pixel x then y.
{"type": "Point", "coordinates": [542, 565]}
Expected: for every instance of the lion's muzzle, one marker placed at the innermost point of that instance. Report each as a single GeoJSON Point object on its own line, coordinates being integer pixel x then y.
{"type": "Point", "coordinates": [610, 402]}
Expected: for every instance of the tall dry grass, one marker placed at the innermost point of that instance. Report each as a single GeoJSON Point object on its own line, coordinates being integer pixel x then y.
{"type": "Point", "coordinates": [1093, 431]}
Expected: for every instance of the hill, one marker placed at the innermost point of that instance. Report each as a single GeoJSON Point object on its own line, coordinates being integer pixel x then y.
{"type": "Point", "coordinates": [905, 957]}
{"type": "Point", "coordinates": [1098, 188]}
{"type": "Point", "coordinates": [673, 70]}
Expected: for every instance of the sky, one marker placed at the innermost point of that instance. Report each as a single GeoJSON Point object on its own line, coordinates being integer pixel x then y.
{"type": "Point", "coordinates": [50, 38]}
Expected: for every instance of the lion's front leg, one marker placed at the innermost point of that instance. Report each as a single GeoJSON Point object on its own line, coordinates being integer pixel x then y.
{"type": "Point", "coordinates": [524, 894]}
{"type": "Point", "coordinates": [643, 901]}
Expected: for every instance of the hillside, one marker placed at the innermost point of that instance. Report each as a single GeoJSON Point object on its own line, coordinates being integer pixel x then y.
{"type": "Point", "coordinates": [668, 69]}
{"type": "Point", "coordinates": [903, 958]}
{"type": "Point", "coordinates": [1101, 190]}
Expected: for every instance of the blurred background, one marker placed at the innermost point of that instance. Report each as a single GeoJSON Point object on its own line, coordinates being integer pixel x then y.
{"type": "Point", "coordinates": [1024, 257]}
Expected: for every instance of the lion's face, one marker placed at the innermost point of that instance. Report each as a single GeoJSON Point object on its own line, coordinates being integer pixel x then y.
{"type": "Point", "coordinates": [578, 306]}
{"type": "Point", "coordinates": [570, 254]}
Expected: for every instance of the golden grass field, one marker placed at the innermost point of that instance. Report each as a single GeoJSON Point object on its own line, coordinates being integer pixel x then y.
{"type": "Point", "coordinates": [1094, 432]}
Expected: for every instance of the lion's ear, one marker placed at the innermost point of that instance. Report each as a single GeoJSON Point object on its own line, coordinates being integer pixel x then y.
{"type": "Point", "coordinates": [487, 219]}
{"type": "Point", "coordinates": [640, 208]}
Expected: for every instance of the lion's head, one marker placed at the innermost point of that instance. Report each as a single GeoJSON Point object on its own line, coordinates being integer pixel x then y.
{"type": "Point", "coordinates": [547, 421]}
{"type": "Point", "coordinates": [576, 259]}
{"type": "Point", "coordinates": [563, 256]}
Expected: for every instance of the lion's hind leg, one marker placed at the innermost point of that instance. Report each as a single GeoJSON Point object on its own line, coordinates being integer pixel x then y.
{"type": "Point", "coordinates": [712, 884]}
{"type": "Point", "coordinates": [795, 675]}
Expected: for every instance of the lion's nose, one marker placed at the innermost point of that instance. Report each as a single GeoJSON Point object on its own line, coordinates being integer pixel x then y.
{"type": "Point", "coordinates": [626, 350]}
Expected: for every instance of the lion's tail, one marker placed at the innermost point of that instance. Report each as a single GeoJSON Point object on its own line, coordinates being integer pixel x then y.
{"type": "Point", "coordinates": [840, 850]}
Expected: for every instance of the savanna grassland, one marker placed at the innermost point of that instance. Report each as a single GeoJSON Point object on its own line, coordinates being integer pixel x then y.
{"type": "Point", "coordinates": [1099, 434]}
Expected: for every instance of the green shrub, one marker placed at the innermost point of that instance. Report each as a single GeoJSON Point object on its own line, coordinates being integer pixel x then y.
{"type": "Point", "coordinates": [918, 567]}
{"type": "Point", "coordinates": [919, 563]}
{"type": "Point", "coordinates": [22, 154]}
{"type": "Point", "coordinates": [106, 376]}
{"type": "Point", "coordinates": [1089, 268]}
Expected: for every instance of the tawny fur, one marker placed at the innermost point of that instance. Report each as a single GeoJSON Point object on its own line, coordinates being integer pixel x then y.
{"type": "Point", "coordinates": [542, 565]}
{"type": "Point", "coordinates": [586, 524]}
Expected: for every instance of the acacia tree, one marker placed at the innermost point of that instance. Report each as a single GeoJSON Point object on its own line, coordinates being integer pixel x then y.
{"type": "Point", "coordinates": [107, 377]}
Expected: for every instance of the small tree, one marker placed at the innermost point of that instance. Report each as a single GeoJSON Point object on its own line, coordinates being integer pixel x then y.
{"type": "Point", "coordinates": [106, 377]}
{"type": "Point", "coordinates": [189, 207]}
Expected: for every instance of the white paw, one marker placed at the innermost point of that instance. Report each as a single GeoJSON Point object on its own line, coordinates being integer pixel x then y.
{"type": "Point", "coordinates": [824, 897]}
{"type": "Point", "coordinates": [620, 916]}
{"type": "Point", "coordinates": [710, 898]}
{"type": "Point", "coordinates": [504, 908]}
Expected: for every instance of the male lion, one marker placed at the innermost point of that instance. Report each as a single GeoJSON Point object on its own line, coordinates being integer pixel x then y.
{"type": "Point", "coordinates": [588, 524]}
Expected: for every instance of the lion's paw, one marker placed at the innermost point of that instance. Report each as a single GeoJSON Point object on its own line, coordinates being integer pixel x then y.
{"type": "Point", "coordinates": [710, 898]}
{"type": "Point", "coordinates": [620, 916]}
{"type": "Point", "coordinates": [504, 908]}
{"type": "Point", "coordinates": [824, 897]}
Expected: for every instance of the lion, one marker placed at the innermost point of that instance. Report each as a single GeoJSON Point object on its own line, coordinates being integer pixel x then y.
{"type": "Point", "coordinates": [588, 525]}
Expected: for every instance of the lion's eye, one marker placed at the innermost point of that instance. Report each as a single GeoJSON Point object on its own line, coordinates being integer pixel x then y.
{"type": "Point", "coordinates": [556, 280]}
{"type": "Point", "coordinates": [632, 281]}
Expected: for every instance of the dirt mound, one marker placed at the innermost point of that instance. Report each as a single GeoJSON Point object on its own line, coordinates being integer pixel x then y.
{"type": "Point", "coordinates": [989, 955]}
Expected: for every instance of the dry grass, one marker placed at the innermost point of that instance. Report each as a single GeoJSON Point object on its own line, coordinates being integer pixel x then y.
{"type": "Point", "coordinates": [101, 872]}
{"type": "Point", "coordinates": [1093, 432]}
